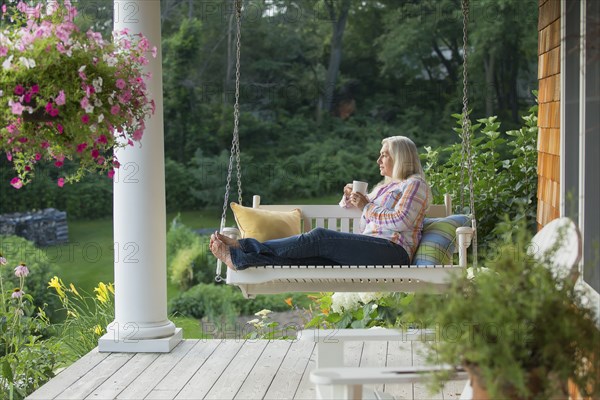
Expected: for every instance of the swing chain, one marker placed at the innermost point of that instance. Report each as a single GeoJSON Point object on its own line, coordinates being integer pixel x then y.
{"type": "Point", "coordinates": [235, 143]}
{"type": "Point", "coordinates": [466, 134]}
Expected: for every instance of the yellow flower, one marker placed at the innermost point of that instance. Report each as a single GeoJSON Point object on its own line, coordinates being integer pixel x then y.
{"type": "Point", "coordinates": [102, 292]}
{"type": "Point", "coordinates": [98, 330]}
{"type": "Point", "coordinates": [288, 301]}
{"type": "Point", "coordinates": [73, 290]}
{"type": "Point", "coordinates": [58, 285]}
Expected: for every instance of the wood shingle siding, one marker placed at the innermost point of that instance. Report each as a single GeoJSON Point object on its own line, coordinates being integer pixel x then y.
{"type": "Point", "coordinates": [549, 111]}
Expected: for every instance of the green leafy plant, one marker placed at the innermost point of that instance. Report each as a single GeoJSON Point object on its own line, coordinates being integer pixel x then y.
{"type": "Point", "coordinates": [27, 357]}
{"type": "Point", "coordinates": [505, 173]}
{"type": "Point", "coordinates": [521, 328]}
{"type": "Point", "coordinates": [86, 316]}
{"type": "Point", "coordinates": [357, 310]}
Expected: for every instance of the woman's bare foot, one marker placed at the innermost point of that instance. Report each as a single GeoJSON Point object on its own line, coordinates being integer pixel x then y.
{"type": "Point", "coordinates": [221, 251]}
{"type": "Point", "coordinates": [227, 240]}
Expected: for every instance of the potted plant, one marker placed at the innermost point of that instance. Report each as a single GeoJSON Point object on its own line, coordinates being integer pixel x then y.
{"type": "Point", "coordinates": [66, 94]}
{"type": "Point", "coordinates": [519, 329]}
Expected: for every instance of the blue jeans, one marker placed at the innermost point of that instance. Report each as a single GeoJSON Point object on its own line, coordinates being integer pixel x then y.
{"type": "Point", "coordinates": [319, 247]}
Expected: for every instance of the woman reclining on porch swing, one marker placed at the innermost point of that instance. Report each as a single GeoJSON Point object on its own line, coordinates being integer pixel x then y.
{"type": "Point", "coordinates": [391, 223]}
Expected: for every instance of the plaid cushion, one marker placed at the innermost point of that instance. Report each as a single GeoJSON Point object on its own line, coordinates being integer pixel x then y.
{"type": "Point", "coordinates": [438, 240]}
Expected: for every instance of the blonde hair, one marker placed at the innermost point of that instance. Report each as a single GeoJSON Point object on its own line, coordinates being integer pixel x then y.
{"type": "Point", "coordinates": [406, 158]}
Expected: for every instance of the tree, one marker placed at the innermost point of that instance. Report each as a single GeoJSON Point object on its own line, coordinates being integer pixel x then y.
{"type": "Point", "coordinates": [338, 14]}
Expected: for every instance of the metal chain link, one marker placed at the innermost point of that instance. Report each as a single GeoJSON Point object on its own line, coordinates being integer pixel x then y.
{"type": "Point", "coordinates": [466, 133]}
{"type": "Point", "coordinates": [235, 143]}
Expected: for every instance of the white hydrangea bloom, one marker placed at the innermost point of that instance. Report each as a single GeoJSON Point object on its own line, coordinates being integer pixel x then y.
{"type": "Point", "coordinates": [344, 302]}
{"type": "Point", "coordinates": [367, 297]}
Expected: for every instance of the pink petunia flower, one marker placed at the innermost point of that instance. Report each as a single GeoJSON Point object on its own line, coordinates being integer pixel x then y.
{"type": "Point", "coordinates": [100, 160]}
{"type": "Point", "coordinates": [137, 135]}
{"type": "Point", "coordinates": [60, 128]}
{"type": "Point", "coordinates": [116, 163]}
{"type": "Point", "coordinates": [27, 98]}
{"type": "Point", "coordinates": [114, 110]}
{"type": "Point", "coordinates": [9, 156]}
{"type": "Point", "coordinates": [19, 90]}
{"type": "Point", "coordinates": [54, 112]}
{"type": "Point", "coordinates": [45, 145]}
{"type": "Point", "coordinates": [95, 153]}
{"type": "Point", "coordinates": [58, 164]}
{"type": "Point", "coordinates": [85, 118]}
{"type": "Point", "coordinates": [35, 89]}
{"type": "Point", "coordinates": [61, 98]}
{"type": "Point", "coordinates": [38, 156]}
{"type": "Point", "coordinates": [111, 173]}
{"type": "Point", "coordinates": [17, 183]}
{"type": "Point", "coordinates": [17, 108]}
{"type": "Point", "coordinates": [81, 147]}
{"type": "Point", "coordinates": [60, 182]}
{"type": "Point", "coordinates": [102, 139]}
{"type": "Point", "coordinates": [121, 84]}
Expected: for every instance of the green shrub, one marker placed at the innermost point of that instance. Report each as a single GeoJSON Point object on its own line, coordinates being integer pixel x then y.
{"type": "Point", "coordinates": [223, 302]}
{"type": "Point", "coordinates": [505, 174]}
{"type": "Point", "coordinates": [188, 259]}
{"type": "Point", "coordinates": [22, 250]}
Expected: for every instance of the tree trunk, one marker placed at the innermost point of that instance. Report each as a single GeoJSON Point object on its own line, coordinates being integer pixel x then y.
{"type": "Point", "coordinates": [335, 58]}
{"type": "Point", "coordinates": [489, 64]}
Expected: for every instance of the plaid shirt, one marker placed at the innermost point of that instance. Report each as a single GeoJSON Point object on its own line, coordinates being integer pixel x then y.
{"type": "Point", "coordinates": [396, 211]}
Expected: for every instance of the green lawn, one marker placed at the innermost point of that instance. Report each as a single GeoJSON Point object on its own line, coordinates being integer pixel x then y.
{"type": "Point", "coordinates": [88, 258]}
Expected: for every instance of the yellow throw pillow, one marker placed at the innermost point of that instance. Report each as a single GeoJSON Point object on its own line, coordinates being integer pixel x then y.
{"type": "Point", "coordinates": [265, 225]}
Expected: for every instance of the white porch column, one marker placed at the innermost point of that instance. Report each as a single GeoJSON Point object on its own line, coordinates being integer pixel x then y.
{"type": "Point", "coordinates": [141, 323]}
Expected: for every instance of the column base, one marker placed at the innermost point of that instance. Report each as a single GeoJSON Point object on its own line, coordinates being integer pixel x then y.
{"type": "Point", "coordinates": [108, 344]}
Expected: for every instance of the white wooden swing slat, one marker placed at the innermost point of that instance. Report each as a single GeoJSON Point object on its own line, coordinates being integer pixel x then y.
{"type": "Point", "coordinates": [270, 279]}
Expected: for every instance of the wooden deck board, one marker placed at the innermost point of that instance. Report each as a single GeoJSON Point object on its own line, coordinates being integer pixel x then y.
{"type": "Point", "coordinates": [119, 381]}
{"type": "Point", "coordinates": [228, 369]}
{"type": "Point", "coordinates": [420, 390]}
{"type": "Point", "coordinates": [179, 376]}
{"type": "Point", "coordinates": [69, 376]}
{"type": "Point", "coordinates": [399, 354]}
{"type": "Point", "coordinates": [96, 376]}
{"type": "Point", "coordinates": [148, 379]}
{"type": "Point", "coordinates": [288, 377]}
{"type": "Point", "coordinates": [262, 374]}
{"type": "Point", "coordinates": [206, 376]}
{"type": "Point", "coordinates": [238, 371]}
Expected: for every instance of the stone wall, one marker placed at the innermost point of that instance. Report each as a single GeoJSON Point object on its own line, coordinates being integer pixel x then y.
{"type": "Point", "coordinates": [45, 227]}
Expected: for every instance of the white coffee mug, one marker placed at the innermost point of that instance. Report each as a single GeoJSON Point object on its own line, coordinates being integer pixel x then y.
{"type": "Point", "coordinates": [231, 232]}
{"type": "Point", "coordinates": [359, 187]}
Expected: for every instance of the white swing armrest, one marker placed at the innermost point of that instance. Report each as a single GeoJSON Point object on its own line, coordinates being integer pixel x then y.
{"type": "Point", "coordinates": [464, 235]}
{"type": "Point", "coordinates": [330, 342]}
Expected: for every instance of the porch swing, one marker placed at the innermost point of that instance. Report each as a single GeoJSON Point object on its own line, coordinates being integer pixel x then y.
{"type": "Point", "coordinates": [432, 277]}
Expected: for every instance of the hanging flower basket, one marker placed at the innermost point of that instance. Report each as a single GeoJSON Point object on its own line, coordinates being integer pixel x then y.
{"type": "Point", "coordinates": [67, 94]}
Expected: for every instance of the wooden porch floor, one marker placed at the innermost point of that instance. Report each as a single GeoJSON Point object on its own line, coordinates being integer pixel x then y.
{"type": "Point", "coordinates": [227, 369]}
